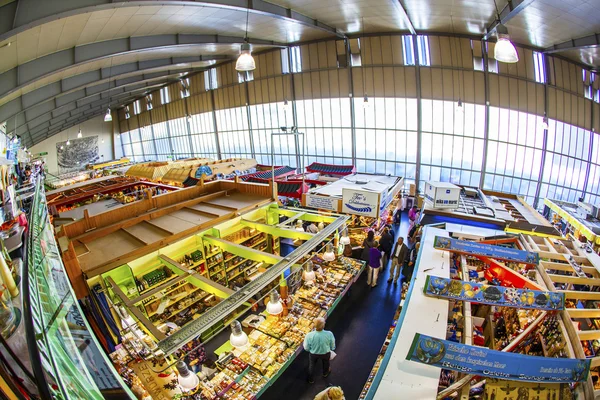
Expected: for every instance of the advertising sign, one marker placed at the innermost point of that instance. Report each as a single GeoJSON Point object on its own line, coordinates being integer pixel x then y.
{"type": "Point", "coordinates": [360, 202]}
{"type": "Point", "coordinates": [494, 295]}
{"type": "Point", "coordinates": [486, 250]}
{"type": "Point", "coordinates": [496, 364]}
{"type": "Point", "coordinates": [321, 202]}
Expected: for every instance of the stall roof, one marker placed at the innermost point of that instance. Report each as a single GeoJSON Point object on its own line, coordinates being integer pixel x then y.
{"type": "Point", "coordinates": [374, 183]}
{"type": "Point", "coordinates": [331, 169]}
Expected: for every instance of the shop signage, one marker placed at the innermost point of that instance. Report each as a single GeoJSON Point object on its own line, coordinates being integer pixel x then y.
{"type": "Point", "coordinates": [486, 250]}
{"type": "Point", "coordinates": [360, 202]}
{"type": "Point", "coordinates": [496, 364]}
{"type": "Point", "coordinates": [321, 202]}
{"type": "Point", "coordinates": [493, 295]}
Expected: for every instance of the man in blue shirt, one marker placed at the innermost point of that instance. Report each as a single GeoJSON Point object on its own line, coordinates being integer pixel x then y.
{"type": "Point", "coordinates": [319, 343]}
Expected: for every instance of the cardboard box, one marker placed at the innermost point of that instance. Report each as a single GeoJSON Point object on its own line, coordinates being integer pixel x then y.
{"type": "Point", "coordinates": [412, 189]}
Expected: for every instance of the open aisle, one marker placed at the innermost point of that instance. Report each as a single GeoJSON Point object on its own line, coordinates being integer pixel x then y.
{"type": "Point", "coordinates": [360, 324]}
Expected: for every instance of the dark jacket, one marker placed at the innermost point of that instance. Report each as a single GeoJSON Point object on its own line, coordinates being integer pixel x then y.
{"type": "Point", "coordinates": [403, 255]}
{"type": "Point", "coordinates": [412, 257]}
{"type": "Point", "coordinates": [386, 242]}
{"type": "Point", "coordinates": [366, 246]}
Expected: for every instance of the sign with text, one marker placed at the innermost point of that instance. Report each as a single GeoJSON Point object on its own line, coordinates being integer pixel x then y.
{"type": "Point", "coordinates": [496, 364]}
{"type": "Point", "coordinates": [360, 202]}
{"type": "Point", "coordinates": [494, 295]}
{"type": "Point", "coordinates": [486, 250]}
{"type": "Point", "coordinates": [321, 202]}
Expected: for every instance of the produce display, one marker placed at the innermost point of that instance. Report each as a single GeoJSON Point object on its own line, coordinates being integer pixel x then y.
{"type": "Point", "coordinates": [278, 339]}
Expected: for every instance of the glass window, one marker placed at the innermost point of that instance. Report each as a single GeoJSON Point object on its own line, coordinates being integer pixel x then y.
{"type": "Point", "coordinates": [539, 67]}
{"type": "Point", "coordinates": [423, 47]}
{"type": "Point", "coordinates": [296, 59]}
{"type": "Point", "coordinates": [408, 50]}
{"type": "Point", "coordinates": [136, 107]}
{"type": "Point", "coordinates": [285, 61]}
{"type": "Point", "coordinates": [164, 95]}
{"type": "Point", "coordinates": [210, 79]}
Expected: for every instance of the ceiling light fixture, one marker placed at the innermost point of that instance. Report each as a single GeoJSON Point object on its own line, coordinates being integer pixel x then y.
{"type": "Point", "coordinates": [245, 61]}
{"type": "Point", "coordinates": [79, 134]}
{"type": "Point", "coordinates": [68, 142]}
{"type": "Point", "coordinates": [238, 338]}
{"type": "Point", "coordinates": [545, 122]}
{"type": "Point", "coordinates": [108, 116]}
{"type": "Point", "coordinates": [286, 105]}
{"type": "Point", "coordinates": [188, 381]}
{"type": "Point", "coordinates": [366, 103]}
{"type": "Point", "coordinates": [505, 50]}
{"type": "Point", "coordinates": [274, 306]}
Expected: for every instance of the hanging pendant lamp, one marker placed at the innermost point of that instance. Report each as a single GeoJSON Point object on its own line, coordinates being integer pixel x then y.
{"type": "Point", "coordinates": [505, 50]}
{"type": "Point", "coordinates": [108, 116]}
{"type": "Point", "coordinates": [245, 61]}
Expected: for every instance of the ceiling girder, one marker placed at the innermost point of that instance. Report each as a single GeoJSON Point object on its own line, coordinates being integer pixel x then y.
{"type": "Point", "coordinates": [42, 67]}
{"type": "Point", "coordinates": [509, 11]}
{"type": "Point", "coordinates": [82, 96]}
{"type": "Point", "coordinates": [32, 13]}
{"type": "Point", "coordinates": [575, 44]}
{"type": "Point", "coordinates": [402, 9]}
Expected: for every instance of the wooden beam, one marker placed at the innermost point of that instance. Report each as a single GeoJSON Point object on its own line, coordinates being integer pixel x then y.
{"type": "Point", "coordinates": [589, 335]}
{"type": "Point", "coordinates": [573, 294]}
{"type": "Point", "coordinates": [135, 311]}
{"type": "Point", "coordinates": [583, 313]}
{"type": "Point", "coordinates": [574, 280]}
{"type": "Point", "coordinates": [188, 272]}
{"type": "Point", "coordinates": [566, 267]}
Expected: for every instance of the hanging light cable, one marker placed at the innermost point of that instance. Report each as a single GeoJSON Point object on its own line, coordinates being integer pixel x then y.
{"type": "Point", "coordinates": [245, 61]}
{"type": "Point", "coordinates": [366, 103]}
{"type": "Point", "coordinates": [505, 50]}
{"type": "Point", "coordinates": [108, 115]}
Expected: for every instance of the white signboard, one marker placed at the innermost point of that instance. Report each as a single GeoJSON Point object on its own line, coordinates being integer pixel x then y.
{"type": "Point", "coordinates": [321, 202]}
{"type": "Point", "coordinates": [360, 202]}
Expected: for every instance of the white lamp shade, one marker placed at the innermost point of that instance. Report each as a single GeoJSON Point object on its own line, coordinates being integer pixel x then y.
{"type": "Point", "coordinates": [329, 255]}
{"type": "Point", "coordinates": [68, 142]}
{"type": "Point", "coordinates": [366, 103]}
{"type": "Point", "coordinates": [108, 116]}
{"type": "Point", "coordinates": [345, 240]}
{"type": "Point", "coordinates": [299, 226]}
{"type": "Point", "coordinates": [79, 134]}
{"type": "Point", "coordinates": [505, 51]}
{"type": "Point", "coordinates": [238, 337]}
{"type": "Point", "coordinates": [321, 226]}
{"type": "Point", "coordinates": [274, 306]}
{"type": "Point", "coordinates": [308, 276]}
{"type": "Point", "coordinates": [245, 61]}
{"type": "Point", "coordinates": [188, 381]}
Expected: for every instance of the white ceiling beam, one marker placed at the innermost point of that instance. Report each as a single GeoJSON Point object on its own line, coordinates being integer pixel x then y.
{"type": "Point", "coordinates": [585, 42]}
{"type": "Point", "coordinates": [37, 12]}
{"type": "Point", "coordinates": [509, 11]}
{"type": "Point", "coordinates": [402, 9]}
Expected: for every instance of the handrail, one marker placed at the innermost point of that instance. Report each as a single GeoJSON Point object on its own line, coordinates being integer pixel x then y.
{"type": "Point", "coordinates": [30, 336]}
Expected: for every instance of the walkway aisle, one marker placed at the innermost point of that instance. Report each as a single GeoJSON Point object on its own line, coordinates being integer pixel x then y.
{"type": "Point", "coordinates": [360, 323]}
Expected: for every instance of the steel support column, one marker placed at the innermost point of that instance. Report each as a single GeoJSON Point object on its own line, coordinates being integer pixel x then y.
{"type": "Point", "coordinates": [214, 115]}
{"type": "Point", "coordinates": [419, 111]}
{"type": "Point", "coordinates": [545, 139]}
{"type": "Point", "coordinates": [486, 128]}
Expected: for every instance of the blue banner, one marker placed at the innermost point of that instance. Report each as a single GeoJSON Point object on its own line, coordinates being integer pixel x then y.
{"type": "Point", "coordinates": [493, 295]}
{"type": "Point", "coordinates": [496, 364]}
{"type": "Point", "coordinates": [486, 250]}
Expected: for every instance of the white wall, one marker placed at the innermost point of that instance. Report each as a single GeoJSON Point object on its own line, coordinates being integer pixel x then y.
{"type": "Point", "coordinates": [92, 127]}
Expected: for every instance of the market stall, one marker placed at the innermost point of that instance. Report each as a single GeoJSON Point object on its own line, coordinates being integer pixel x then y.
{"type": "Point", "coordinates": [476, 311]}
{"type": "Point", "coordinates": [218, 276]}
{"type": "Point", "coordinates": [370, 200]}
{"type": "Point", "coordinates": [190, 175]}
{"type": "Point", "coordinates": [581, 220]}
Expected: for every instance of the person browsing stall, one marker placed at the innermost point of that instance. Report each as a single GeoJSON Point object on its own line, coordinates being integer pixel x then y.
{"type": "Point", "coordinates": [331, 393]}
{"type": "Point", "coordinates": [319, 344]}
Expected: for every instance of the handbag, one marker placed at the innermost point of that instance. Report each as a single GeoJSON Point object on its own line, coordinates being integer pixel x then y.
{"type": "Point", "coordinates": [332, 355]}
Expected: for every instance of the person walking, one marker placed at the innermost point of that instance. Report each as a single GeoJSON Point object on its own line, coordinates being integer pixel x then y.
{"type": "Point", "coordinates": [319, 344]}
{"type": "Point", "coordinates": [367, 244]}
{"type": "Point", "coordinates": [331, 393]}
{"type": "Point", "coordinates": [399, 255]}
{"type": "Point", "coordinates": [386, 243]}
{"type": "Point", "coordinates": [412, 260]}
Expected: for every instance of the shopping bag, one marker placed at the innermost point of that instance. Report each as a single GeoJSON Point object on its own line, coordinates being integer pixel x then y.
{"type": "Point", "coordinates": [332, 355]}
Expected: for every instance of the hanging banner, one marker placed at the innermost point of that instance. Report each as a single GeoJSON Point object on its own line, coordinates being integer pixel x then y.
{"type": "Point", "coordinates": [486, 250]}
{"type": "Point", "coordinates": [360, 202]}
{"type": "Point", "coordinates": [494, 295]}
{"type": "Point", "coordinates": [496, 364]}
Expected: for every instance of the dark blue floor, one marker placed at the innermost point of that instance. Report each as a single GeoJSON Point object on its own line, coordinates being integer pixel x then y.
{"type": "Point", "coordinates": [360, 324]}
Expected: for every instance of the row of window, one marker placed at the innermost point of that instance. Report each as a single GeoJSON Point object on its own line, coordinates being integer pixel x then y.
{"type": "Point", "coordinates": [291, 62]}
{"type": "Point", "coordinates": [385, 141]}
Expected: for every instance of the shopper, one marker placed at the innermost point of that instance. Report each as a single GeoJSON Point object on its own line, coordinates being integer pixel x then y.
{"type": "Point", "coordinates": [312, 228]}
{"type": "Point", "coordinates": [319, 344]}
{"type": "Point", "coordinates": [375, 260]}
{"type": "Point", "coordinates": [385, 244]}
{"type": "Point", "coordinates": [412, 260]}
{"type": "Point", "coordinates": [412, 213]}
{"type": "Point", "coordinates": [331, 393]}
{"type": "Point", "coordinates": [368, 243]}
{"type": "Point", "coordinates": [398, 259]}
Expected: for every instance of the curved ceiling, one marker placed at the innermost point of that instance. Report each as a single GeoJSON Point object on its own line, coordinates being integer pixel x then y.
{"type": "Point", "coordinates": [61, 61]}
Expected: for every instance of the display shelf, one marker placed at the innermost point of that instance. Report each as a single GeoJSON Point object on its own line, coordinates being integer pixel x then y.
{"type": "Point", "coordinates": [176, 301]}
{"type": "Point", "coordinates": [174, 287]}
{"type": "Point", "coordinates": [188, 306]}
{"type": "Point", "coordinates": [160, 285]}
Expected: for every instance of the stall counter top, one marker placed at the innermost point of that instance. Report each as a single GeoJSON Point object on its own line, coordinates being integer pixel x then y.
{"type": "Point", "coordinates": [414, 380]}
